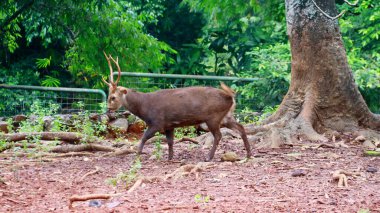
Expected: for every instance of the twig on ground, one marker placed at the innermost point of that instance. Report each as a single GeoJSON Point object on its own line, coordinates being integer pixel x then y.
{"type": "Point", "coordinates": [341, 176]}
{"type": "Point", "coordinates": [97, 169]}
{"type": "Point", "coordinates": [16, 201]}
{"type": "Point", "coordinates": [75, 198]}
{"type": "Point", "coordinates": [144, 180]}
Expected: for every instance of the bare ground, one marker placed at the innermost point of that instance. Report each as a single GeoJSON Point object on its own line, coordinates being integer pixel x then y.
{"type": "Point", "coordinates": [294, 179]}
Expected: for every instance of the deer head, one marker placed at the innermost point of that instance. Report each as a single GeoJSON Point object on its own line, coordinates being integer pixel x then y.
{"type": "Point", "coordinates": [116, 93]}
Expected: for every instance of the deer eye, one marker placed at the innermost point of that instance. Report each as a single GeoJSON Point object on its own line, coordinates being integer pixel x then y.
{"type": "Point", "coordinates": [113, 98]}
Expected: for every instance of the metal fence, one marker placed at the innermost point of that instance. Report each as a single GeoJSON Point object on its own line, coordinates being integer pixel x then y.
{"type": "Point", "coordinates": [148, 82]}
{"type": "Point", "coordinates": [17, 99]}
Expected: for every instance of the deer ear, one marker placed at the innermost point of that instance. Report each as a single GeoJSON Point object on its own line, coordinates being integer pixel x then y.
{"type": "Point", "coordinates": [123, 90]}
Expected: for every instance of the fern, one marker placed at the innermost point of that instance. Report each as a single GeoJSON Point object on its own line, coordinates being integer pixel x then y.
{"type": "Point", "coordinates": [51, 82]}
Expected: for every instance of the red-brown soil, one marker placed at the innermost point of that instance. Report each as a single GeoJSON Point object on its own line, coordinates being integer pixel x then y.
{"type": "Point", "coordinates": [263, 184]}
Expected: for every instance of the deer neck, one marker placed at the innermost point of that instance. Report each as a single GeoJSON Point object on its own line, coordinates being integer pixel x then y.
{"type": "Point", "coordinates": [134, 102]}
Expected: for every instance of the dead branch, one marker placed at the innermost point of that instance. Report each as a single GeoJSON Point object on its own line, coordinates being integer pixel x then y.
{"type": "Point", "coordinates": [97, 169]}
{"type": "Point", "coordinates": [341, 177]}
{"type": "Point", "coordinates": [71, 137]}
{"type": "Point", "coordinates": [69, 154]}
{"type": "Point", "coordinates": [325, 145]}
{"type": "Point", "coordinates": [144, 180]}
{"type": "Point", "coordinates": [81, 148]}
{"type": "Point", "coordinates": [16, 201]}
{"type": "Point", "coordinates": [75, 198]}
{"type": "Point", "coordinates": [187, 139]}
{"type": "Point", "coordinates": [120, 152]}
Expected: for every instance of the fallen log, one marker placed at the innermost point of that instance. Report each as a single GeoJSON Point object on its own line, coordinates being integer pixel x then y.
{"type": "Point", "coordinates": [71, 137]}
{"type": "Point", "coordinates": [81, 148]}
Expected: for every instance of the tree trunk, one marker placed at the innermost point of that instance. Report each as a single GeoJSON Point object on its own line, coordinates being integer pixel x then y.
{"type": "Point", "coordinates": [322, 94]}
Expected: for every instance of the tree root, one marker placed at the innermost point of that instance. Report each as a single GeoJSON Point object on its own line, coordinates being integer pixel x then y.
{"type": "Point", "coordinates": [81, 148]}
{"type": "Point", "coordinates": [71, 137]}
{"type": "Point", "coordinates": [75, 198]}
{"type": "Point", "coordinates": [285, 132]}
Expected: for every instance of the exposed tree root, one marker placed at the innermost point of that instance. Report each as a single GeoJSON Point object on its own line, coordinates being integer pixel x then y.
{"type": "Point", "coordinates": [285, 132]}
{"type": "Point", "coordinates": [75, 198]}
{"type": "Point", "coordinates": [81, 148]}
{"type": "Point", "coordinates": [71, 137]}
{"type": "Point", "coordinates": [207, 139]}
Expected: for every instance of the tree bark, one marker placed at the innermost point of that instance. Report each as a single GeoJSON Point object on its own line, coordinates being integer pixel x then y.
{"type": "Point", "coordinates": [322, 95]}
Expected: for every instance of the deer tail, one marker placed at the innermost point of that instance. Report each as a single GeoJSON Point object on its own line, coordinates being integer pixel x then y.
{"type": "Point", "coordinates": [226, 89]}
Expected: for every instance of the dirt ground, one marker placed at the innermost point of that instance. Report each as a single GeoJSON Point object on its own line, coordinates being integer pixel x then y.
{"type": "Point", "coordinates": [293, 179]}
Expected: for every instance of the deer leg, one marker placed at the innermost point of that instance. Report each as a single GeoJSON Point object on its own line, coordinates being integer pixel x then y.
{"type": "Point", "coordinates": [147, 135]}
{"type": "Point", "coordinates": [170, 138]}
{"type": "Point", "coordinates": [215, 130]}
{"type": "Point", "coordinates": [235, 126]}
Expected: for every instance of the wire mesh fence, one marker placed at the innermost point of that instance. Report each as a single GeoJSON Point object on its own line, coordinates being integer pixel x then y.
{"type": "Point", "coordinates": [149, 82]}
{"type": "Point", "coordinates": [16, 99]}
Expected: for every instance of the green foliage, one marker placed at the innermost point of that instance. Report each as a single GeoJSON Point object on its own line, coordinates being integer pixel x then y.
{"type": "Point", "coordinates": [83, 29]}
{"type": "Point", "coordinates": [364, 211]}
{"type": "Point", "coordinates": [360, 31]}
{"type": "Point", "coordinates": [157, 152]}
{"type": "Point", "coordinates": [10, 125]}
{"type": "Point", "coordinates": [60, 43]}
{"type": "Point", "coordinates": [127, 178]}
{"type": "Point", "coordinates": [43, 62]}
{"type": "Point", "coordinates": [116, 29]}
{"type": "Point", "coordinates": [272, 64]}
{"type": "Point", "coordinates": [188, 131]}
{"type": "Point", "coordinates": [50, 81]}
{"type": "Point", "coordinates": [35, 121]}
{"type": "Point", "coordinates": [83, 124]}
{"type": "Point", "coordinates": [198, 198]}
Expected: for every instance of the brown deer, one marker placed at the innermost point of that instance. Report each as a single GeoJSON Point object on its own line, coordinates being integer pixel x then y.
{"type": "Point", "coordinates": [167, 109]}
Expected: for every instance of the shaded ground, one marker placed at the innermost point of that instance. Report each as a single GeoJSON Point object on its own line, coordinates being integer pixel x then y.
{"type": "Point", "coordinates": [263, 184]}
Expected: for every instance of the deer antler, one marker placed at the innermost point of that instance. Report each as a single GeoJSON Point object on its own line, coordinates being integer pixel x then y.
{"type": "Point", "coordinates": [106, 81]}
{"type": "Point", "coordinates": [109, 58]}
{"type": "Point", "coordinates": [110, 66]}
{"type": "Point", "coordinates": [118, 69]}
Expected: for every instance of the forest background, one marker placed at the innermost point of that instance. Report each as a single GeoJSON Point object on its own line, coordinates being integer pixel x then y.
{"type": "Point", "coordinates": [60, 42]}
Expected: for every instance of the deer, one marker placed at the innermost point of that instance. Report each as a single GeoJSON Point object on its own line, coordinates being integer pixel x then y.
{"type": "Point", "coordinates": [167, 109]}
